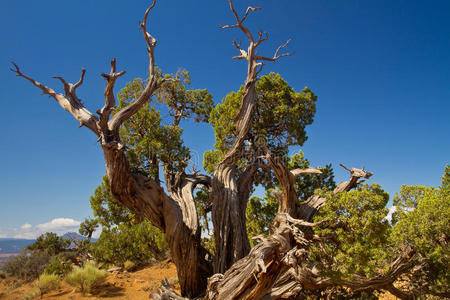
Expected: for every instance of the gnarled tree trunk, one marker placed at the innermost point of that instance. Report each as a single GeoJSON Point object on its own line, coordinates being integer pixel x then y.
{"type": "Point", "coordinates": [278, 267]}
{"type": "Point", "coordinates": [176, 215]}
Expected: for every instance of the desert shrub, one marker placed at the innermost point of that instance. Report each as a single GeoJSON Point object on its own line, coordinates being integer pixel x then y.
{"type": "Point", "coordinates": [51, 243]}
{"type": "Point", "coordinates": [129, 265]}
{"type": "Point", "coordinates": [57, 267]}
{"type": "Point", "coordinates": [27, 266]}
{"type": "Point", "coordinates": [125, 235]}
{"type": "Point", "coordinates": [137, 243]}
{"type": "Point", "coordinates": [47, 282]}
{"type": "Point", "coordinates": [86, 278]}
{"type": "Point", "coordinates": [31, 293]}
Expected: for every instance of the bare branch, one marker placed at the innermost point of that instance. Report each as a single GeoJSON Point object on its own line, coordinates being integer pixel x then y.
{"type": "Point", "coordinates": [149, 39]}
{"type": "Point", "coordinates": [260, 66]}
{"type": "Point", "coordinates": [166, 292]}
{"type": "Point", "coordinates": [297, 172]}
{"type": "Point", "coordinates": [345, 167]}
{"type": "Point", "coordinates": [262, 38]}
{"type": "Point", "coordinates": [282, 47]}
{"type": "Point", "coordinates": [80, 82]}
{"type": "Point", "coordinates": [276, 55]}
{"type": "Point", "coordinates": [110, 100]}
{"type": "Point", "coordinates": [243, 54]}
{"type": "Point", "coordinates": [152, 83]}
{"type": "Point", "coordinates": [69, 102]}
{"type": "Point", "coordinates": [250, 8]}
{"type": "Point", "coordinates": [301, 222]}
{"type": "Point", "coordinates": [65, 84]}
{"type": "Point", "coordinates": [240, 21]}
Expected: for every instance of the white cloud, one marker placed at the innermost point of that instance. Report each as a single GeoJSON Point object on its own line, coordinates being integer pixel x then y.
{"type": "Point", "coordinates": [59, 224]}
{"type": "Point", "coordinates": [26, 226]}
{"type": "Point", "coordinates": [392, 210]}
{"type": "Point", "coordinates": [97, 232]}
{"type": "Point", "coordinates": [28, 231]}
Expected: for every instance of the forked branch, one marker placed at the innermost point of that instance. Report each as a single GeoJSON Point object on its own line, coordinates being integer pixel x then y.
{"type": "Point", "coordinates": [70, 102]}
{"type": "Point", "coordinates": [276, 55]}
{"type": "Point", "coordinates": [152, 83]}
{"type": "Point", "coordinates": [355, 175]}
{"type": "Point", "coordinates": [287, 197]}
{"type": "Point", "coordinates": [110, 100]}
{"type": "Point", "coordinates": [239, 21]}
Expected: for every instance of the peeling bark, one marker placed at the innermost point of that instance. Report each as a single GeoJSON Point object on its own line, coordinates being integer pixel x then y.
{"type": "Point", "coordinates": [276, 268]}
{"type": "Point", "coordinates": [229, 194]}
{"type": "Point", "coordinates": [312, 205]}
{"type": "Point", "coordinates": [174, 214]}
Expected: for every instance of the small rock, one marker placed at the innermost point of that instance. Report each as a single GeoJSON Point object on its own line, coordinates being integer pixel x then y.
{"type": "Point", "coordinates": [116, 269]}
{"type": "Point", "coordinates": [145, 288]}
{"type": "Point", "coordinates": [139, 281]}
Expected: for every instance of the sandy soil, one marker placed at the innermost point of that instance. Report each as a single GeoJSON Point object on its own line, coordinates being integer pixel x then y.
{"type": "Point", "coordinates": [123, 285]}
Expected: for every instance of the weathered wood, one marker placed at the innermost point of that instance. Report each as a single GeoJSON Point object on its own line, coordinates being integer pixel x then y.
{"type": "Point", "coordinates": [278, 267]}
{"type": "Point", "coordinates": [312, 205]}
{"type": "Point", "coordinates": [175, 213]}
{"type": "Point", "coordinates": [229, 193]}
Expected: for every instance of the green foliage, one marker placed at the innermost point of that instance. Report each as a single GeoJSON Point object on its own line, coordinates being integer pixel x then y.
{"type": "Point", "coordinates": [107, 210]}
{"type": "Point", "coordinates": [137, 243]}
{"type": "Point", "coordinates": [27, 266]}
{"type": "Point", "coordinates": [31, 293]}
{"type": "Point", "coordinates": [57, 267]}
{"type": "Point", "coordinates": [124, 235]}
{"type": "Point", "coordinates": [260, 214]}
{"type": "Point", "coordinates": [129, 265]}
{"type": "Point", "coordinates": [86, 278]}
{"type": "Point", "coordinates": [149, 141]}
{"type": "Point", "coordinates": [49, 253]}
{"type": "Point", "coordinates": [87, 227]}
{"type": "Point", "coordinates": [446, 178]}
{"type": "Point", "coordinates": [280, 119]}
{"type": "Point", "coordinates": [425, 227]}
{"type": "Point", "coordinates": [47, 282]}
{"type": "Point", "coordinates": [306, 184]}
{"type": "Point", "coordinates": [357, 233]}
{"type": "Point", "coordinates": [184, 103]}
{"type": "Point", "coordinates": [51, 243]}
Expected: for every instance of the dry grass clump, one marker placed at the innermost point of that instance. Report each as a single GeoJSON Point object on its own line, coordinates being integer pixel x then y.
{"type": "Point", "coordinates": [129, 265]}
{"type": "Point", "coordinates": [47, 282]}
{"type": "Point", "coordinates": [86, 278]}
{"type": "Point", "coordinates": [31, 294]}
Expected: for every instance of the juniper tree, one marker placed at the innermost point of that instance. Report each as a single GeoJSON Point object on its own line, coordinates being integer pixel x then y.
{"type": "Point", "coordinates": [301, 255]}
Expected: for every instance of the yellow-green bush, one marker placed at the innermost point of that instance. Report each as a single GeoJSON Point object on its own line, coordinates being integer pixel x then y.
{"type": "Point", "coordinates": [31, 293]}
{"type": "Point", "coordinates": [129, 265]}
{"type": "Point", "coordinates": [86, 278]}
{"type": "Point", "coordinates": [47, 282]}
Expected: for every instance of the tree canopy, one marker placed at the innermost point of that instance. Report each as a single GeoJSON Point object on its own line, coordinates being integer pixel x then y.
{"type": "Point", "coordinates": [310, 237]}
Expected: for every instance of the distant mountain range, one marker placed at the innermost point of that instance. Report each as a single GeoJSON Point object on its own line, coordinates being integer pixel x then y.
{"type": "Point", "coordinates": [13, 246]}
{"type": "Point", "coordinates": [73, 236]}
{"type": "Point", "coordinates": [10, 246]}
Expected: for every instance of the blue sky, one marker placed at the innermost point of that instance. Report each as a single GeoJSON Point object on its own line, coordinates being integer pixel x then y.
{"type": "Point", "coordinates": [381, 70]}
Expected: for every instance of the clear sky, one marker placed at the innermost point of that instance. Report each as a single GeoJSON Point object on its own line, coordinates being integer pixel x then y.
{"type": "Point", "coordinates": [381, 70]}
